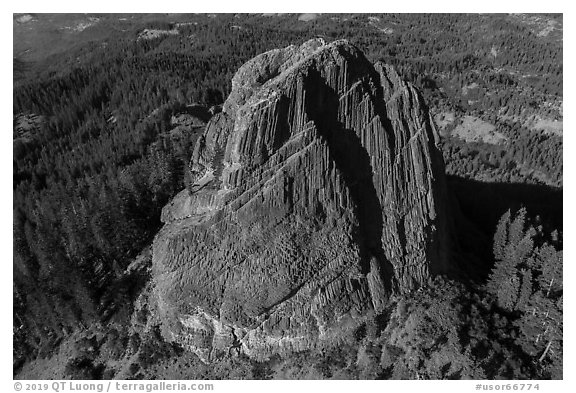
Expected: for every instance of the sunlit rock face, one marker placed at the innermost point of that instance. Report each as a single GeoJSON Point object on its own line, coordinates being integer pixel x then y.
{"type": "Point", "coordinates": [317, 192]}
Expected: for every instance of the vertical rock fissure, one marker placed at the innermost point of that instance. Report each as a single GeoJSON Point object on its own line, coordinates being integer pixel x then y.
{"type": "Point", "coordinates": [352, 159]}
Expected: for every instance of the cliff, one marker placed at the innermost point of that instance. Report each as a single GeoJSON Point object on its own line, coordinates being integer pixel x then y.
{"type": "Point", "coordinates": [317, 192]}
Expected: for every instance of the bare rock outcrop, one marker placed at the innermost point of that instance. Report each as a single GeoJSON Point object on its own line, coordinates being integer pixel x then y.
{"type": "Point", "coordinates": [317, 192]}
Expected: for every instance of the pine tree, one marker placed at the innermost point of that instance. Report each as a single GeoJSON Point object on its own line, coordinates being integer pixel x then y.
{"type": "Point", "coordinates": [528, 281]}
{"type": "Point", "coordinates": [513, 245]}
{"type": "Point", "coordinates": [501, 236]}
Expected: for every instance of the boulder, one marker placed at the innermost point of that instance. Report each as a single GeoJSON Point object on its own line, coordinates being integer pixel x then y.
{"type": "Point", "coordinates": [317, 192]}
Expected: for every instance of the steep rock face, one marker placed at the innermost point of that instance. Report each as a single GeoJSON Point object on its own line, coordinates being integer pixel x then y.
{"type": "Point", "coordinates": [317, 191]}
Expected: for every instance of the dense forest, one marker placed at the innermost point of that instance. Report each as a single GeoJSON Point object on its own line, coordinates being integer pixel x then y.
{"type": "Point", "coordinates": [100, 146]}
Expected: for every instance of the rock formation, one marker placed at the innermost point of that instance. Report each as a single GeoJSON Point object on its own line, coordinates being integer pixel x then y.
{"type": "Point", "coordinates": [317, 192]}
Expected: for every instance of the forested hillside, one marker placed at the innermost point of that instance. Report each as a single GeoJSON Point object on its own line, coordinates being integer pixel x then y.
{"type": "Point", "coordinates": [105, 124]}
